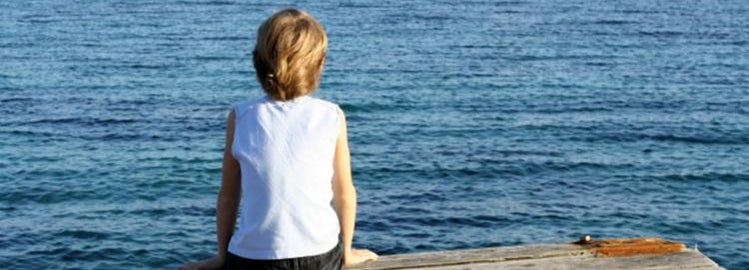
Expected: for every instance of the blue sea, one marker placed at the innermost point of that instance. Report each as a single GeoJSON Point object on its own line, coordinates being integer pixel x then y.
{"type": "Point", "coordinates": [472, 123]}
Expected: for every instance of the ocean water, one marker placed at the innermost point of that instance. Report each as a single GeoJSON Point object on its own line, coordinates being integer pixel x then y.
{"type": "Point", "coordinates": [472, 123]}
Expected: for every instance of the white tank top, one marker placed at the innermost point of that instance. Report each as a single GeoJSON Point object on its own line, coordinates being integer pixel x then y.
{"type": "Point", "coordinates": [285, 152]}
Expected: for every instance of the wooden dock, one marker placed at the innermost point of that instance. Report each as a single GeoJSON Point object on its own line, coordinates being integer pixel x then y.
{"type": "Point", "coordinates": [635, 253]}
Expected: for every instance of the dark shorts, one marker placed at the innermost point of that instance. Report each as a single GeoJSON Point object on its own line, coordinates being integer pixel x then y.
{"type": "Point", "coordinates": [330, 260]}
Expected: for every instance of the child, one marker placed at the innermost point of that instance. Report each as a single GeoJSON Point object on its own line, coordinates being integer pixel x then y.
{"type": "Point", "coordinates": [287, 158]}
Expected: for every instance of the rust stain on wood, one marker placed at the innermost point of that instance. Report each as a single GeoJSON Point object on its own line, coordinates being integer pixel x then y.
{"type": "Point", "coordinates": [630, 246]}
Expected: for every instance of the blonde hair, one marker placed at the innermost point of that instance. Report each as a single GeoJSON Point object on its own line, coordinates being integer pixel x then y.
{"type": "Point", "coordinates": [289, 54]}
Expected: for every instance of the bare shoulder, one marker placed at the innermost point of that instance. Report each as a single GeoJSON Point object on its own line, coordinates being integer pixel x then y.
{"type": "Point", "coordinates": [232, 113]}
{"type": "Point", "coordinates": [341, 113]}
{"type": "Point", "coordinates": [230, 118]}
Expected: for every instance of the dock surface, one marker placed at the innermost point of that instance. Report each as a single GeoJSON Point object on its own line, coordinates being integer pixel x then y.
{"type": "Point", "coordinates": [641, 253]}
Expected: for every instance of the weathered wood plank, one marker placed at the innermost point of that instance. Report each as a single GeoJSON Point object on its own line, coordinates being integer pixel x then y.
{"type": "Point", "coordinates": [458, 257]}
{"type": "Point", "coordinates": [562, 256]}
{"type": "Point", "coordinates": [681, 260]}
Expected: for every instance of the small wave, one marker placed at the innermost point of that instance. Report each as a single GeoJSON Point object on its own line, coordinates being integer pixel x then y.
{"type": "Point", "coordinates": [510, 11]}
{"type": "Point", "coordinates": [599, 64]}
{"type": "Point", "coordinates": [372, 107]}
{"type": "Point", "coordinates": [227, 38]}
{"type": "Point", "coordinates": [213, 58]}
{"type": "Point", "coordinates": [529, 168]}
{"type": "Point", "coordinates": [478, 46]}
{"type": "Point", "coordinates": [412, 210]}
{"type": "Point", "coordinates": [129, 137]}
{"type": "Point", "coordinates": [544, 57]}
{"type": "Point", "coordinates": [207, 3]}
{"type": "Point", "coordinates": [83, 234]}
{"type": "Point", "coordinates": [508, 153]}
{"type": "Point", "coordinates": [346, 4]}
{"type": "Point", "coordinates": [690, 227]}
{"type": "Point", "coordinates": [175, 211]}
{"type": "Point", "coordinates": [40, 19]}
{"type": "Point", "coordinates": [707, 139]}
{"type": "Point", "coordinates": [152, 67]}
{"type": "Point", "coordinates": [15, 99]}
{"type": "Point", "coordinates": [70, 254]}
{"type": "Point", "coordinates": [613, 22]}
{"type": "Point", "coordinates": [572, 109]}
{"type": "Point", "coordinates": [431, 17]}
{"type": "Point", "coordinates": [373, 225]}
{"type": "Point", "coordinates": [479, 221]}
{"type": "Point", "coordinates": [132, 103]}
{"type": "Point", "coordinates": [739, 106]}
{"type": "Point", "coordinates": [83, 120]}
{"type": "Point", "coordinates": [420, 197]}
{"type": "Point", "coordinates": [704, 177]}
{"type": "Point", "coordinates": [181, 160]}
{"type": "Point", "coordinates": [30, 133]}
{"type": "Point", "coordinates": [700, 140]}
{"type": "Point", "coordinates": [108, 136]}
{"type": "Point", "coordinates": [495, 169]}
{"type": "Point", "coordinates": [639, 11]}
{"type": "Point", "coordinates": [58, 193]}
{"type": "Point", "coordinates": [661, 33]}
{"type": "Point", "coordinates": [509, 3]}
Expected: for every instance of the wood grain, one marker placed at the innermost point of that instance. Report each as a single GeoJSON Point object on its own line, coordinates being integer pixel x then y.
{"type": "Point", "coordinates": [637, 253]}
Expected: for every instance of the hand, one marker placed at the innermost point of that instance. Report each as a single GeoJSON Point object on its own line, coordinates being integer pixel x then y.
{"type": "Point", "coordinates": [359, 256]}
{"type": "Point", "coordinates": [214, 263]}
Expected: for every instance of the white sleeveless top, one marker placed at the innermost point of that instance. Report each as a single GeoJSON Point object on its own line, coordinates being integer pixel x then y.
{"type": "Point", "coordinates": [285, 151]}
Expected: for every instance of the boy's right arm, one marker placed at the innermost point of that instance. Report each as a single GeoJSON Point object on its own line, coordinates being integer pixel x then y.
{"type": "Point", "coordinates": [344, 198]}
{"type": "Point", "coordinates": [227, 203]}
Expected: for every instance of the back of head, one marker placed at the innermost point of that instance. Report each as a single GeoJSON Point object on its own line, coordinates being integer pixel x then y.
{"type": "Point", "coordinates": [289, 54]}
